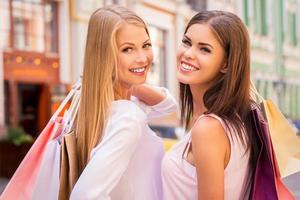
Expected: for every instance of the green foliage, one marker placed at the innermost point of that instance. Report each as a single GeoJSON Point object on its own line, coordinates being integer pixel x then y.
{"type": "Point", "coordinates": [17, 135]}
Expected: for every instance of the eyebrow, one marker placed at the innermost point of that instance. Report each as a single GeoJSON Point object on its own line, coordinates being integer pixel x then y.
{"type": "Point", "coordinates": [132, 44]}
{"type": "Point", "coordinates": [200, 43]}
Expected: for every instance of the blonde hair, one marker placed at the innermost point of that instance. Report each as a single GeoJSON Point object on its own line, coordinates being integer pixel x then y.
{"type": "Point", "coordinates": [99, 76]}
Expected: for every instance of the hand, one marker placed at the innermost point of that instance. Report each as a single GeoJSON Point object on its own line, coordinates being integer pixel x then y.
{"type": "Point", "coordinates": [147, 94]}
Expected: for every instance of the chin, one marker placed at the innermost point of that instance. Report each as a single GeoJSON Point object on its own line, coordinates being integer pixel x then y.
{"type": "Point", "coordinates": [182, 79]}
{"type": "Point", "coordinates": [138, 82]}
{"type": "Point", "coordinates": [184, 82]}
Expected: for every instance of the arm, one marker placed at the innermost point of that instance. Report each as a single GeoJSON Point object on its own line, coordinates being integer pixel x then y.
{"type": "Point", "coordinates": [210, 149]}
{"type": "Point", "coordinates": [109, 159]}
{"type": "Point", "coordinates": [154, 101]}
{"type": "Point", "coordinates": [147, 94]}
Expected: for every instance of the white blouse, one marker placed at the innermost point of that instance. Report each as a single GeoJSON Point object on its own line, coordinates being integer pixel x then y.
{"type": "Point", "coordinates": [126, 164]}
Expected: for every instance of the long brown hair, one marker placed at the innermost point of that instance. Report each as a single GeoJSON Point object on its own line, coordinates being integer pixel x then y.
{"type": "Point", "coordinates": [99, 82]}
{"type": "Point", "coordinates": [229, 96]}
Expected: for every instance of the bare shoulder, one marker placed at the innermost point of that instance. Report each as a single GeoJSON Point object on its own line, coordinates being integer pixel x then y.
{"type": "Point", "coordinates": [208, 128]}
{"type": "Point", "coordinates": [209, 140]}
{"type": "Point", "coordinates": [210, 153]}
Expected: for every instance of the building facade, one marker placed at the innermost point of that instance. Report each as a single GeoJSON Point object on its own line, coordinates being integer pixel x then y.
{"type": "Point", "coordinates": [42, 49]}
{"type": "Point", "coordinates": [273, 27]}
{"type": "Point", "coordinates": [31, 62]}
{"type": "Point", "coordinates": [275, 50]}
{"type": "Point", "coordinates": [165, 20]}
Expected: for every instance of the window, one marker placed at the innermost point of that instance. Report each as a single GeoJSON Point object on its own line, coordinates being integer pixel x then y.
{"type": "Point", "coordinates": [4, 25]}
{"type": "Point", "coordinates": [82, 10]}
{"type": "Point", "coordinates": [197, 5]}
{"type": "Point", "coordinates": [246, 12]}
{"type": "Point", "coordinates": [51, 33]}
{"type": "Point", "coordinates": [268, 89]}
{"type": "Point", "coordinates": [297, 101]}
{"type": "Point", "coordinates": [292, 27]}
{"type": "Point", "coordinates": [109, 2]}
{"type": "Point", "coordinates": [292, 96]}
{"type": "Point", "coordinates": [7, 102]}
{"type": "Point", "coordinates": [156, 75]}
{"type": "Point", "coordinates": [260, 17]}
{"type": "Point", "coordinates": [34, 25]}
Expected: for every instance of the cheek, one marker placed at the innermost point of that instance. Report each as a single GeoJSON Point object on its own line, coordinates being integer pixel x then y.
{"type": "Point", "coordinates": [122, 66]}
{"type": "Point", "coordinates": [216, 63]}
{"type": "Point", "coordinates": [150, 56]}
{"type": "Point", "coordinates": [180, 52]}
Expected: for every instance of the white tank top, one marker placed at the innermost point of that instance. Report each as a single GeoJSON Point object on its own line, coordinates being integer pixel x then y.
{"type": "Point", "coordinates": [180, 178]}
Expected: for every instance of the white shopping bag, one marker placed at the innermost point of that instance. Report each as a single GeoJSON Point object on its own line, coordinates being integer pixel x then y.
{"type": "Point", "coordinates": [47, 183]}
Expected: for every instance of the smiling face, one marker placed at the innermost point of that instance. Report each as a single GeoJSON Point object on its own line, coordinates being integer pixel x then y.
{"type": "Point", "coordinates": [200, 57]}
{"type": "Point", "coordinates": [134, 53]}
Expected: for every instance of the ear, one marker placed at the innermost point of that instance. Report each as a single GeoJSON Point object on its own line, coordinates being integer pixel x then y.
{"type": "Point", "coordinates": [224, 68]}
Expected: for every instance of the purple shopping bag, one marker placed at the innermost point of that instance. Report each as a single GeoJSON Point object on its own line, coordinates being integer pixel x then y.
{"type": "Point", "coordinates": [267, 183]}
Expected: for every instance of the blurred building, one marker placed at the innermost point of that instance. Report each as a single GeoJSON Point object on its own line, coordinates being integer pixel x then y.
{"type": "Point", "coordinates": [165, 20]}
{"type": "Point", "coordinates": [273, 28]}
{"type": "Point", "coordinates": [42, 48]}
{"type": "Point", "coordinates": [275, 48]}
{"type": "Point", "coordinates": [31, 62]}
{"type": "Point", "coordinates": [27, 39]}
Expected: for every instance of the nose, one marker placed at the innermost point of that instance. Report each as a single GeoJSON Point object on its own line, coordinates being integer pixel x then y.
{"type": "Point", "coordinates": [189, 53]}
{"type": "Point", "coordinates": [141, 57]}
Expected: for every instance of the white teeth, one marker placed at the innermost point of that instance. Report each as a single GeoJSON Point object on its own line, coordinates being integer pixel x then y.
{"type": "Point", "coordinates": [188, 67]}
{"type": "Point", "coordinates": [138, 70]}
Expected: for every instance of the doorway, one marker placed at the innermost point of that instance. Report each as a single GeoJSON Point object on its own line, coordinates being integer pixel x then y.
{"type": "Point", "coordinates": [33, 107]}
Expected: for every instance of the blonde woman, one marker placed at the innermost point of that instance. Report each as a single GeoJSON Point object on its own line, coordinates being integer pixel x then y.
{"type": "Point", "coordinates": [119, 155]}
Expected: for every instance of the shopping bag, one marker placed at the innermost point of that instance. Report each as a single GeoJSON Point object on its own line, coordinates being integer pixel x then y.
{"type": "Point", "coordinates": [47, 182]}
{"type": "Point", "coordinates": [267, 183]}
{"type": "Point", "coordinates": [68, 165]}
{"type": "Point", "coordinates": [285, 141]}
{"type": "Point", "coordinates": [22, 184]}
{"type": "Point", "coordinates": [59, 169]}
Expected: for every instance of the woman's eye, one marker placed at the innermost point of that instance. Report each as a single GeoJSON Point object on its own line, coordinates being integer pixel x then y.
{"type": "Point", "coordinates": [127, 50]}
{"type": "Point", "coordinates": [147, 45]}
{"type": "Point", "coordinates": [205, 49]}
{"type": "Point", "coordinates": [186, 42]}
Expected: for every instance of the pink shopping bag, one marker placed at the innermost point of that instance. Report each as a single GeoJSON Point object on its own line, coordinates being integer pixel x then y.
{"type": "Point", "coordinates": [21, 185]}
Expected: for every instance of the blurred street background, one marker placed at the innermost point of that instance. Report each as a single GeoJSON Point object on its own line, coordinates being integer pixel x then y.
{"type": "Point", "coordinates": [42, 48]}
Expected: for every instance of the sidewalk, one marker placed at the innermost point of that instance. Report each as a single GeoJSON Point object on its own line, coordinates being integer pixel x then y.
{"type": "Point", "coordinates": [292, 182]}
{"type": "Point", "coordinates": [3, 183]}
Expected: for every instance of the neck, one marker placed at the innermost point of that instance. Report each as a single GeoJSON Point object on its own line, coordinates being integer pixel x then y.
{"type": "Point", "coordinates": [122, 91]}
{"type": "Point", "coordinates": [198, 103]}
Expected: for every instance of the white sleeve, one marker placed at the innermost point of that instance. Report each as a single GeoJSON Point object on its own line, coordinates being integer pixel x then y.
{"type": "Point", "coordinates": [109, 159]}
{"type": "Point", "coordinates": [167, 106]}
